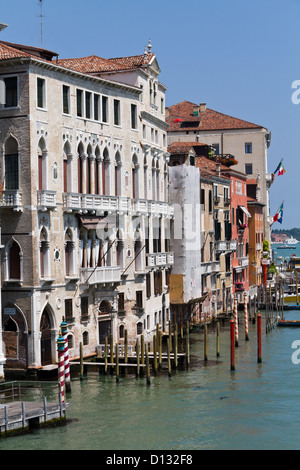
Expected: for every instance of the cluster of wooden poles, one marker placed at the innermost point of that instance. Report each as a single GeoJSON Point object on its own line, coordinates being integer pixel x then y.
{"type": "Point", "coordinates": [274, 305]}
{"type": "Point", "coordinates": [145, 353]}
{"type": "Point", "coordinates": [234, 332]}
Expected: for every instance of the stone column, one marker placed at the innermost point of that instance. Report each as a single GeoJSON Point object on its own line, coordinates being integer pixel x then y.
{"type": "Point", "coordinates": [92, 159]}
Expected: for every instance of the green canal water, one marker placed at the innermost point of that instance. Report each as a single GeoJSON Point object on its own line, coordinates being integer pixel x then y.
{"type": "Point", "coordinates": [209, 407]}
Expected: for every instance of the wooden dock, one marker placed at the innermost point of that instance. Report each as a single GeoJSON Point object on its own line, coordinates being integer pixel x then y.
{"type": "Point", "coordinates": [21, 416]}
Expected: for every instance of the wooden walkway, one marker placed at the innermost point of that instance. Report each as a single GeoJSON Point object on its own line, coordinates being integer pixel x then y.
{"type": "Point", "coordinates": [16, 416]}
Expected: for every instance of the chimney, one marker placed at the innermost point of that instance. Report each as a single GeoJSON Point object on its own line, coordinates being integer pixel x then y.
{"type": "Point", "coordinates": [202, 107]}
{"type": "Point", "coordinates": [195, 110]}
{"type": "Point", "coordinates": [218, 169]}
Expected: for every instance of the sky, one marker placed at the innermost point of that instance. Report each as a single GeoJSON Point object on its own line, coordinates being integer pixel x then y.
{"type": "Point", "coordinates": [240, 57]}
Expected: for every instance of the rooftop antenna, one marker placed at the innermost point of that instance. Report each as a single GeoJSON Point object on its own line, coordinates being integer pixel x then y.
{"type": "Point", "coordinates": [41, 16]}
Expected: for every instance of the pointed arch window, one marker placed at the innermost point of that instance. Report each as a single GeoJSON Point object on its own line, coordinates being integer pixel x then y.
{"type": "Point", "coordinates": [135, 177]}
{"type": "Point", "coordinates": [11, 161]}
{"type": "Point", "coordinates": [44, 254]}
{"type": "Point", "coordinates": [80, 152]}
{"type": "Point", "coordinates": [13, 261]}
{"type": "Point", "coordinates": [120, 249]}
{"type": "Point", "coordinates": [106, 173]}
{"type": "Point", "coordinates": [42, 164]}
{"type": "Point", "coordinates": [67, 168]}
{"type": "Point", "coordinates": [69, 253]}
{"type": "Point", "coordinates": [118, 179]}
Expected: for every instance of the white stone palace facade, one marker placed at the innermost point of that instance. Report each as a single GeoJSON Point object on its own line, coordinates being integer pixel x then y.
{"type": "Point", "coordinates": [84, 213]}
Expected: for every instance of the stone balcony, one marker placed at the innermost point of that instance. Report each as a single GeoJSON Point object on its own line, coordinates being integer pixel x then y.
{"type": "Point", "coordinates": [154, 260]}
{"type": "Point", "coordinates": [244, 262]}
{"type": "Point", "coordinates": [210, 268]}
{"type": "Point", "coordinates": [115, 204]}
{"type": "Point", "coordinates": [12, 199]}
{"type": "Point", "coordinates": [225, 245]}
{"type": "Point", "coordinates": [95, 203]}
{"type": "Point", "coordinates": [46, 200]}
{"type": "Point", "coordinates": [100, 275]}
{"type": "Point", "coordinates": [154, 208]}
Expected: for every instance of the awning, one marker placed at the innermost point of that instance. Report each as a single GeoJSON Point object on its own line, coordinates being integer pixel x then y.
{"type": "Point", "coordinates": [94, 222]}
{"type": "Point", "coordinates": [245, 211]}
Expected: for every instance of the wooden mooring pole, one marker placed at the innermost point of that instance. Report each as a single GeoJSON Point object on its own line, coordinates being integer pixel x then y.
{"type": "Point", "coordinates": [147, 365]}
{"type": "Point", "coordinates": [169, 359]}
{"type": "Point", "coordinates": [187, 344]}
{"type": "Point", "coordinates": [154, 354]}
{"type": "Point", "coordinates": [160, 350]}
{"type": "Point", "coordinates": [81, 361]}
{"type": "Point", "coordinates": [117, 363]}
{"type": "Point", "coordinates": [259, 359]}
{"type": "Point", "coordinates": [205, 343]}
{"type": "Point", "coordinates": [111, 352]}
{"type": "Point", "coordinates": [105, 356]}
{"type": "Point", "coordinates": [218, 339]}
{"type": "Point", "coordinates": [176, 346]}
{"type": "Point", "coordinates": [232, 344]}
{"type": "Point", "coordinates": [137, 350]}
{"type": "Point", "coordinates": [126, 350]}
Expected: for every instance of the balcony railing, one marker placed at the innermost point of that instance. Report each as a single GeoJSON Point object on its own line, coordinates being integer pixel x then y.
{"type": "Point", "coordinates": [91, 202]}
{"type": "Point", "coordinates": [46, 199]}
{"type": "Point", "coordinates": [160, 208]}
{"type": "Point", "coordinates": [100, 275]}
{"type": "Point", "coordinates": [210, 268]}
{"type": "Point", "coordinates": [225, 245]}
{"type": "Point", "coordinates": [12, 199]}
{"type": "Point", "coordinates": [159, 259]}
{"type": "Point", "coordinates": [244, 262]}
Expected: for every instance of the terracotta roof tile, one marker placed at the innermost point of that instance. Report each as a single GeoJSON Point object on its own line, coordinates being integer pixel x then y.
{"type": "Point", "coordinates": [94, 64]}
{"type": "Point", "coordinates": [208, 167]}
{"type": "Point", "coordinates": [9, 52]}
{"type": "Point", "coordinates": [183, 147]}
{"type": "Point", "coordinates": [181, 117]}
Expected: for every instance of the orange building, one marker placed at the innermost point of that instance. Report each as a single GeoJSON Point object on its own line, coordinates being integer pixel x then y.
{"type": "Point", "coordinates": [239, 222]}
{"type": "Point", "coordinates": [256, 229]}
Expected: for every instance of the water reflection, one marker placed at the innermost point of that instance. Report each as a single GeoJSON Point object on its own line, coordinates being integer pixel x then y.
{"type": "Point", "coordinates": [207, 407]}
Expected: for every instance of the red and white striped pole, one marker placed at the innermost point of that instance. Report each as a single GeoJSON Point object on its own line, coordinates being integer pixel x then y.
{"type": "Point", "coordinates": [61, 366]}
{"type": "Point", "coordinates": [64, 332]}
{"type": "Point", "coordinates": [236, 324]}
{"type": "Point", "coordinates": [246, 317]}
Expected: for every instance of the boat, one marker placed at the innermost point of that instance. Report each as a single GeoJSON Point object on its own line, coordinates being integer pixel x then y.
{"type": "Point", "coordinates": [288, 323]}
{"type": "Point", "coordinates": [290, 293]}
{"type": "Point", "coordinates": [290, 243]}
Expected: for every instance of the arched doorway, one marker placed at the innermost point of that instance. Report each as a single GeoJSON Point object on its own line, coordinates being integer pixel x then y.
{"type": "Point", "coordinates": [14, 336]}
{"type": "Point", "coordinates": [105, 321]}
{"type": "Point", "coordinates": [46, 343]}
